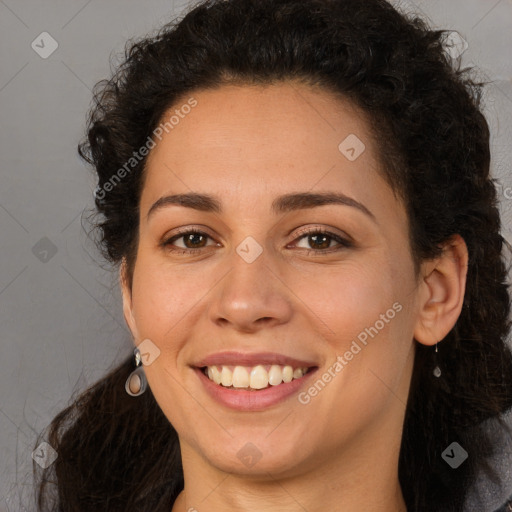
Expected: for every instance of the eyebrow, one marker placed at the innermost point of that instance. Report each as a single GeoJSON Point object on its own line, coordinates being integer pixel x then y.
{"type": "Point", "coordinates": [282, 204]}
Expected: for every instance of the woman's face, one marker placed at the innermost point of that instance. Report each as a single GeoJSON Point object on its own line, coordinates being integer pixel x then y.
{"type": "Point", "coordinates": [260, 286]}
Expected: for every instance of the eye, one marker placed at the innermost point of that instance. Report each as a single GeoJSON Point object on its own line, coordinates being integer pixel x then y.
{"type": "Point", "coordinates": [322, 239]}
{"type": "Point", "coordinates": [195, 240]}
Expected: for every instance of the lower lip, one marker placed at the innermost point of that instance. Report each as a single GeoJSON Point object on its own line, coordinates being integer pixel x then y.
{"type": "Point", "coordinates": [243, 400]}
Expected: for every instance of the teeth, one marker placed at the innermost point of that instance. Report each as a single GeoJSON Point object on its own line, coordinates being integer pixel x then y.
{"type": "Point", "coordinates": [240, 377]}
{"type": "Point", "coordinates": [287, 374]}
{"type": "Point", "coordinates": [275, 375]}
{"type": "Point", "coordinates": [226, 376]}
{"type": "Point", "coordinates": [257, 377]}
{"type": "Point", "coordinates": [216, 377]}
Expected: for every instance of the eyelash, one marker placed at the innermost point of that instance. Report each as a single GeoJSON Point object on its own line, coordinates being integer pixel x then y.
{"type": "Point", "coordinates": [344, 244]}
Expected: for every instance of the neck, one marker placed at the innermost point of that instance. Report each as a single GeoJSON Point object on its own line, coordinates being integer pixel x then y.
{"type": "Point", "coordinates": [234, 498]}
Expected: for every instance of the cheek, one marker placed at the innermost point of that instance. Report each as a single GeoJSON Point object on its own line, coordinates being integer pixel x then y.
{"type": "Point", "coordinates": [358, 312]}
{"type": "Point", "coordinates": [160, 297]}
{"type": "Point", "coordinates": [345, 299]}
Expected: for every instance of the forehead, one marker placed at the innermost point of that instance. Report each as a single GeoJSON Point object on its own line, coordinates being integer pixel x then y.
{"type": "Point", "coordinates": [247, 142]}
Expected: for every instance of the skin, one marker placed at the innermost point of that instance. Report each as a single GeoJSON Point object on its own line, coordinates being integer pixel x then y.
{"type": "Point", "coordinates": [247, 145]}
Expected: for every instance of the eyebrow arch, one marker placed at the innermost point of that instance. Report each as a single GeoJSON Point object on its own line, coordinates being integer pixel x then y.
{"type": "Point", "coordinates": [282, 204]}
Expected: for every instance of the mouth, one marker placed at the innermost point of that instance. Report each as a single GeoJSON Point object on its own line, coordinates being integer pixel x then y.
{"type": "Point", "coordinates": [253, 382]}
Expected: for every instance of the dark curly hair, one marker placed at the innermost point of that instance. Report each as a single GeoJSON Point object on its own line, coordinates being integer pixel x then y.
{"type": "Point", "coordinates": [120, 453]}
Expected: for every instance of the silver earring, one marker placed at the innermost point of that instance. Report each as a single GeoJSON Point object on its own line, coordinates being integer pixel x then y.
{"type": "Point", "coordinates": [136, 383]}
{"type": "Point", "coordinates": [437, 370]}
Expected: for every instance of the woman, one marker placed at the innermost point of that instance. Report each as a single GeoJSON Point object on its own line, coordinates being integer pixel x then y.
{"type": "Point", "coordinates": [298, 197]}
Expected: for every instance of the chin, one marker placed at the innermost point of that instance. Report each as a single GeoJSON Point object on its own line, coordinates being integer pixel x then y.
{"type": "Point", "coordinates": [250, 454]}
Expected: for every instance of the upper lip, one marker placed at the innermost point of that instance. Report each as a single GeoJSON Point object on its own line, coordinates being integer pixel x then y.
{"type": "Point", "coordinates": [233, 358]}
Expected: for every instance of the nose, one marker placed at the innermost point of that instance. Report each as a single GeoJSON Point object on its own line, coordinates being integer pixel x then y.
{"type": "Point", "coordinates": [251, 296]}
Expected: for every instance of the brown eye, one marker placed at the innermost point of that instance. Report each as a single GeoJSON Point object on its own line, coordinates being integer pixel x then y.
{"type": "Point", "coordinates": [320, 240]}
{"type": "Point", "coordinates": [193, 240]}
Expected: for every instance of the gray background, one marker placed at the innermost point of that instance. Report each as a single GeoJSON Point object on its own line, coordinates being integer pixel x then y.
{"type": "Point", "coordinates": [61, 320]}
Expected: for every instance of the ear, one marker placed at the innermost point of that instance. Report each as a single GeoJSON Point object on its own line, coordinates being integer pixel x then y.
{"type": "Point", "coordinates": [127, 299]}
{"type": "Point", "coordinates": [442, 288]}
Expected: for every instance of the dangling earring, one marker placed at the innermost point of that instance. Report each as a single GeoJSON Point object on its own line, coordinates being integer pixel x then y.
{"type": "Point", "coordinates": [136, 383]}
{"type": "Point", "coordinates": [437, 370]}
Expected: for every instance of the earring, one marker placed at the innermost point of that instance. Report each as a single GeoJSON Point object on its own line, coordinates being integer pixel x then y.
{"type": "Point", "coordinates": [136, 383]}
{"type": "Point", "coordinates": [437, 370]}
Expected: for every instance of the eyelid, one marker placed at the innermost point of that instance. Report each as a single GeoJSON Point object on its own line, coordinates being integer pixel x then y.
{"type": "Point", "coordinates": [326, 230]}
